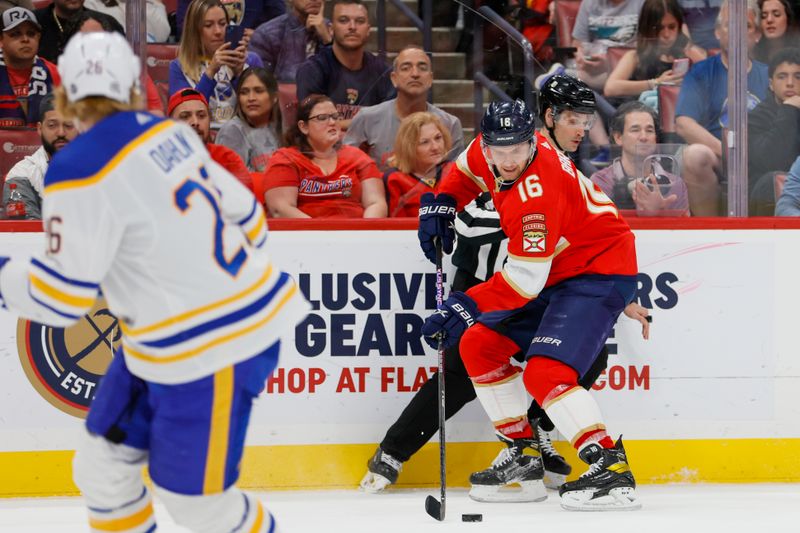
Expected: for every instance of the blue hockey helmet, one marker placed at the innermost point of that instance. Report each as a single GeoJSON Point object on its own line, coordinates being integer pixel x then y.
{"type": "Point", "coordinates": [507, 123]}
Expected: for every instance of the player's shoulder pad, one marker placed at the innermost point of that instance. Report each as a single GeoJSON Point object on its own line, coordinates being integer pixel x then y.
{"type": "Point", "coordinates": [91, 155]}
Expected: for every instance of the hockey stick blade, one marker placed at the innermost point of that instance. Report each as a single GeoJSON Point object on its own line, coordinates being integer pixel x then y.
{"type": "Point", "coordinates": [434, 508]}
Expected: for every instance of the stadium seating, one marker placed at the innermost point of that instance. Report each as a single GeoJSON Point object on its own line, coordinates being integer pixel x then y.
{"type": "Point", "coordinates": [15, 145]}
{"type": "Point", "coordinates": [667, 100]}
{"type": "Point", "coordinates": [158, 58]}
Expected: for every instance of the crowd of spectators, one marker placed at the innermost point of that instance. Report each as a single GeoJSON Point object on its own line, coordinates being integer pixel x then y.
{"type": "Point", "coordinates": [365, 139]}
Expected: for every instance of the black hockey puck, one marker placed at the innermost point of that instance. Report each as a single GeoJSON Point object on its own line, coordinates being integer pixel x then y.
{"type": "Point", "coordinates": [472, 518]}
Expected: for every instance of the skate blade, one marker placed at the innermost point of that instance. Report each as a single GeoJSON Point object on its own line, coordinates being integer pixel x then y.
{"type": "Point", "coordinates": [374, 483]}
{"type": "Point", "coordinates": [528, 491]}
{"type": "Point", "coordinates": [553, 480]}
{"type": "Point", "coordinates": [619, 499]}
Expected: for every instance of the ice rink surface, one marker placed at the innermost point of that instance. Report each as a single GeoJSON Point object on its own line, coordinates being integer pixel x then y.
{"type": "Point", "coordinates": [736, 508]}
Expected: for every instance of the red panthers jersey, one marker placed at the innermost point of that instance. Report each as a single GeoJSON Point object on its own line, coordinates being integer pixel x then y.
{"type": "Point", "coordinates": [559, 225]}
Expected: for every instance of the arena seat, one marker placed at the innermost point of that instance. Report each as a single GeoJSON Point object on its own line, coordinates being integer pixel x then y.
{"type": "Point", "coordinates": [566, 12]}
{"type": "Point", "coordinates": [158, 58]}
{"type": "Point", "coordinates": [16, 144]}
{"type": "Point", "coordinates": [667, 100]}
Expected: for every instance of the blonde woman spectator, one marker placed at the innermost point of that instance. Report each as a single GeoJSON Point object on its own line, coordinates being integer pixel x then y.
{"type": "Point", "coordinates": [314, 176]}
{"type": "Point", "coordinates": [254, 132]}
{"type": "Point", "coordinates": [420, 150]}
{"type": "Point", "coordinates": [659, 42]}
{"type": "Point", "coordinates": [156, 16]}
{"type": "Point", "coordinates": [207, 63]}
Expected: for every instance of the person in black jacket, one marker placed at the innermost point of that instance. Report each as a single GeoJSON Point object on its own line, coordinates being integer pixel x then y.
{"type": "Point", "coordinates": [774, 130]}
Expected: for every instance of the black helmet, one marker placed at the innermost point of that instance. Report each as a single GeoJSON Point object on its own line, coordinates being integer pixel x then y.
{"type": "Point", "coordinates": [565, 92]}
{"type": "Point", "coordinates": [507, 123]}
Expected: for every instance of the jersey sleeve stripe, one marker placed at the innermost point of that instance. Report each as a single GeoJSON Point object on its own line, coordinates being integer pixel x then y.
{"type": "Point", "coordinates": [61, 297]}
{"type": "Point", "coordinates": [223, 321]}
{"type": "Point", "coordinates": [252, 212]}
{"type": "Point", "coordinates": [526, 278]}
{"type": "Point", "coordinates": [516, 287]}
{"type": "Point", "coordinates": [254, 233]}
{"type": "Point", "coordinates": [132, 332]}
{"type": "Point", "coordinates": [87, 181]}
{"type": "Point", "coordinates": [71, 281]}
{"type": "Point", "coordinates": [217, 454]}
{"type": "Point", "coordinates": [162, 359]}
{"type": "Point", "coordinates": [52, 309]}
{"type": "Point", "coordinates": [125, 523]}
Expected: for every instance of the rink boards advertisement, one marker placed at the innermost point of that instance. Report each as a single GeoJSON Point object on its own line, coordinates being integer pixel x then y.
{"type": "Point", "coordinates": [720, 368]}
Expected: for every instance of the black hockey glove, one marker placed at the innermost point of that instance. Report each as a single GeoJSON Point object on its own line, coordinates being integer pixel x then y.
{"type": "Point", "coordinates": [458, 313]}
{"type": "Point", "coordinates": [437, 215]}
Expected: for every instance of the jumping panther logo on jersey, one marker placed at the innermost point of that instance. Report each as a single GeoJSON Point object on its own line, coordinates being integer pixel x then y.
{"type": "Point", "coordinates": [65, 365]}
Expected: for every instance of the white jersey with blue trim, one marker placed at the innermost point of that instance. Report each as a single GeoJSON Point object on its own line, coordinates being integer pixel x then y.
{"type": "Point", "coordinates": [137, 208]}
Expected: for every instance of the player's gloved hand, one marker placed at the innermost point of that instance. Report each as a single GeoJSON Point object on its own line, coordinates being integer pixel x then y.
{"type": "Point", "coordinates": [437, 215]}
{"type": "Point", "coordinates": [458, 313]}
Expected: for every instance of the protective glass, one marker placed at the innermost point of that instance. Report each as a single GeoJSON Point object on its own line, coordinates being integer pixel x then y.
{"type": "Point", "coordinates": [516, 153]}
{"type": "Point", "coordinates": [571, 119]}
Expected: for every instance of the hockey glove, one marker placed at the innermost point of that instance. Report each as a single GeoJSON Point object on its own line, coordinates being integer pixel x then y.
{"type": "Point", "coordinates": [437, 215]}
{"type": "Point", "coordinates": [458, 313]}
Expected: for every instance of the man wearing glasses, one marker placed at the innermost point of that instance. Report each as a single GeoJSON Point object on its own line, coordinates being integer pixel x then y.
{"type": "Point", "coordinates": [374, 128]}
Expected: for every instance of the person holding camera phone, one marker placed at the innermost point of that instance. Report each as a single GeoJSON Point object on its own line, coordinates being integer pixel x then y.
{"type": "Point", "coordinates": [640, 178]}
{"type": "Point", "coordinates": [662, 55]}
{"type": "Point", "coordinates": [207, 33]}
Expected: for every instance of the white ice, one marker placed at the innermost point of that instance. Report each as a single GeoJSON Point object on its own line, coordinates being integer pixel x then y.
{"type": "Point", "coordinates": [737, 508]}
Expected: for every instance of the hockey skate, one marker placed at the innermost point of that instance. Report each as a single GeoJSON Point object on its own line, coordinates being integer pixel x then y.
{"type": "Point", "coordinates": [382, 471]}
{"type": "Point", "coordinates": [556, 468]}
{"type": "Point", "coordinates": [518, 464]}
{"type": "Point", "coordinates": [608, 485]}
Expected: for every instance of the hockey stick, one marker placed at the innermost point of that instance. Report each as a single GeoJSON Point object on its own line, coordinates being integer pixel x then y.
{"type": "Point", "coordinates": [434, 507]}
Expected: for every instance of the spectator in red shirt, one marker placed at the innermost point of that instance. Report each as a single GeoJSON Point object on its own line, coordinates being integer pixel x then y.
{"type": "Point", "coordinates": [25, 78]}
{"type": "Point", "coordinates": [420, 149]}
{"type": "Point", "coordinates": [315, 176]}
{"type": "Point", "coordinates": [188, 105]}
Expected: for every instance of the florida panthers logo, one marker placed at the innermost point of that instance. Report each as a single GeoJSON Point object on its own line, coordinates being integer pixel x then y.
{"type": "Point", "coordinates": [65, 365]}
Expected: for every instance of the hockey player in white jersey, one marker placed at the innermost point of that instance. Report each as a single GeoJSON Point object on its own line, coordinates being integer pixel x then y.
{"type": "Point", "coordinates": [136, 208]}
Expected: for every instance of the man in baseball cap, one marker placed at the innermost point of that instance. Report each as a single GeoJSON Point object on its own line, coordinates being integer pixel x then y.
{"type": "Point", "coordinates": [190, 106]}
{"type": "Point", "coordinates": [21, 86]}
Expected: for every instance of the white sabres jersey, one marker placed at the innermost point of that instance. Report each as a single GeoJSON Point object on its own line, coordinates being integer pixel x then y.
{"type": "Point", "coordinates": [137, 209]}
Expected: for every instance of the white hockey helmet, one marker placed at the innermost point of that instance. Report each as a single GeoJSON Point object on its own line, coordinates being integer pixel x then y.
{"type": "Point", "coordinates": [99, 64]}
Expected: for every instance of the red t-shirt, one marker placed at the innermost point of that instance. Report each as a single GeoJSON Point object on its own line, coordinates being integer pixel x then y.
{"type": "Point", "coordinates": [404, 191]}
{"type": "Point", "coordinates": [335, 195]}
{"type": "Point", "coordinates": [559, 225]}
{"type": "Point", "coordinates": [20, 78]}
{"type": "Point", "coordinates": [230, 161]}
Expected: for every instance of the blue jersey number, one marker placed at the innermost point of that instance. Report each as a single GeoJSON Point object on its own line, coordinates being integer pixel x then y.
{"type": "Point", "coordinates": [182, 195]}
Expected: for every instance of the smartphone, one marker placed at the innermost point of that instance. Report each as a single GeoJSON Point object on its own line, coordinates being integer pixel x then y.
{"type": "Point", "coordinates": [233, 34]}
{"type": "Point", "coordinates": [680, 66]}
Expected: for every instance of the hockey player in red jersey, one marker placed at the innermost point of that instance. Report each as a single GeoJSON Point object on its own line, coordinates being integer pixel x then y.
{"type": "Point", "coordinates": [570, 272]}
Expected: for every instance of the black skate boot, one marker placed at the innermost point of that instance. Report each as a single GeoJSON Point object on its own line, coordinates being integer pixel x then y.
{"type": "Point", "coordinates": [608, 485]}
{"type": "Point", "coordinates": [383, 470]}
{"type": "Point", "coordinates": [556, 468]}
{"type": "Point", "coordinates": [518, 464]}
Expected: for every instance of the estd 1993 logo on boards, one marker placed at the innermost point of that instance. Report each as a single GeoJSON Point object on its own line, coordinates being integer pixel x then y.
{"type": "Point", "coordinates": [65, 364]}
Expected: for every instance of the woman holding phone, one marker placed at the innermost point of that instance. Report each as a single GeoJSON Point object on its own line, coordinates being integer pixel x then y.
{"type": "Point", "coordinates": [209, 63]}
{"type": "Point", "coordinates": [662, 54]}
